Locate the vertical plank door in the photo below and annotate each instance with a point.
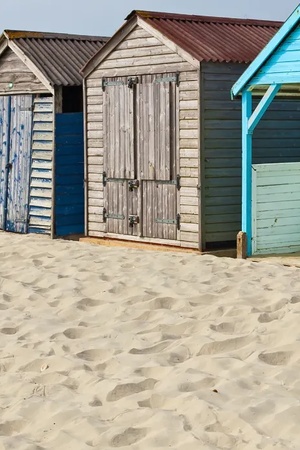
(4, 148)
(157, 124)
(19, 163)
(120, 191)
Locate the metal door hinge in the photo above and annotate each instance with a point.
(131, 81)
(168, 79)
(107, 215)
(133, 220)
(104, 178)
(170, 221)
(106, 83)
(133, 184)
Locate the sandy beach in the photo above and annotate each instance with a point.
(119, 348)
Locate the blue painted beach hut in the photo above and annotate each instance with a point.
(271, 192)
(41, 131)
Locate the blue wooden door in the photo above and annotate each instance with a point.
(15, 165)
(69, 174)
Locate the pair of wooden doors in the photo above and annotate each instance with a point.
(15, 155)
(140, 178)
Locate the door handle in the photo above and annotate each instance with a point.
(8, 166)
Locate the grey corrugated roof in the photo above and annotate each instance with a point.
(58, 56)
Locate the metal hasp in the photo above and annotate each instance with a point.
(133, 184)
(104, 179)
(132, 81)
(133, 220)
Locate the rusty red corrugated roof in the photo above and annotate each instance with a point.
(215, 39)
(58, 56)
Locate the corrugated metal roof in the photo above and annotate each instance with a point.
(58, 56)
(215, 39)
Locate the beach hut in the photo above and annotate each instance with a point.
(163, 138)
(271, 192)
(41, 131)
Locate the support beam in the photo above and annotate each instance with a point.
(263, 106)
(247, 169)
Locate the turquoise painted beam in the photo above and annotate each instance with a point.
(252, 70)
(247, 169)
(262, 107)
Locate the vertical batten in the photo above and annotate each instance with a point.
(247, 169)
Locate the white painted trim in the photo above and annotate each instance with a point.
(3, 47)
(254, 211)
(14, 47)
(168, 43)
(109, 47)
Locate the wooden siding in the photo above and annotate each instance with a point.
(283, 66)
(140, 54)
(276, 208)
(13, 70)
(276, 139)
(40, 206)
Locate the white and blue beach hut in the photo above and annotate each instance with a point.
(271, 192)
(41, 131)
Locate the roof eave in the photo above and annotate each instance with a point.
(281, 34)
(108, 47)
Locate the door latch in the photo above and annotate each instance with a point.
(8, 166)
(133, 184)
(133, 220)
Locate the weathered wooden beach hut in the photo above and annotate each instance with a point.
(41, 131)
(163, 138)
(271, 192)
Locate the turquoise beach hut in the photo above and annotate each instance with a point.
(271, 192)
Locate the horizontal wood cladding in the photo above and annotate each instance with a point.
(276, 212)
(276, 139)
(141, 54)
(16, 77)
(132, 58)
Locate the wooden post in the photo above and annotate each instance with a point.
(241, 245)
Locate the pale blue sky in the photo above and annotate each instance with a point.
(104, 17)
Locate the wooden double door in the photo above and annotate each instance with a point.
(15, 156)
(140, 179)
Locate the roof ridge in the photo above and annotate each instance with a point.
(202, 18)
(22, 34)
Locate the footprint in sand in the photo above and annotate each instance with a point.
(3, 307)
(94, 355)
(12, 427)
(150, 350)
(228, 345)
(9, 330)
(74, 333)
(207, 382)
(129, 437)
(124, 390)
(85, 303)
(96, 402)
(276, 358)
